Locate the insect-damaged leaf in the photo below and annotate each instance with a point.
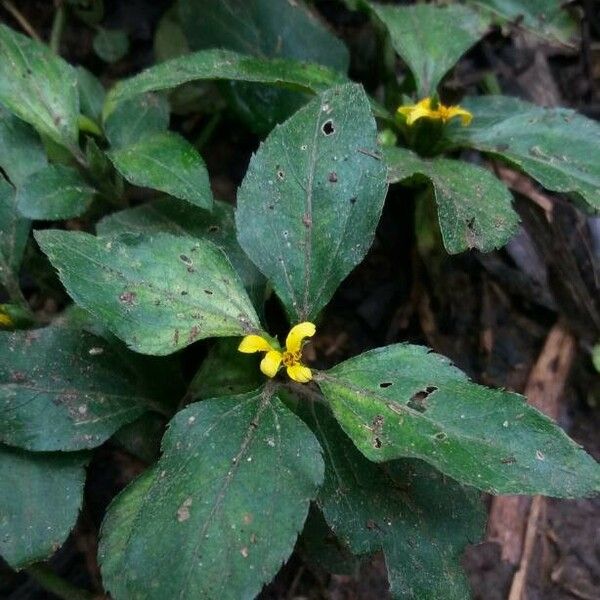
(311, 199)
(420, 519)
(166, 162)
(38, 86)
(40, 498)
(221, 510)
(62, 388)
(158, 293)
(403, 401)
(474, 207)
(556, 146)
(431, 39)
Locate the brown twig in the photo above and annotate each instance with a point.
(21, 20)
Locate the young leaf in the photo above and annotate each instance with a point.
(226, 65)
(14, 231)
(53, 193)
(403, 401)
(555, 146)
(311, 199)
(40, 498)
(91, 94)
(222, 508)
(165, 162)
(431, 39)
(158, 293)
(420, 519)
(170, 215)
(21, 150)
(474, 207)
(38, 86)
(136, 117)
(111, 45)
(64, 389)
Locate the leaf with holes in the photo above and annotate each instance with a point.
(39, 87)
(158, 293)
(311, 199)
(165, 162)
(556, 146)
(474, 207)
(53, 193)
(222, 508)
(431, 39)
(62, 388)
(170, 215)
(404, 401)
(40, 498)
(420, 519)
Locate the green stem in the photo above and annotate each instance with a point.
(58, 25)
(208, 130)
(51, 582)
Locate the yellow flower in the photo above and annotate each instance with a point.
(290, 357)
(423, 109)
(5, 320)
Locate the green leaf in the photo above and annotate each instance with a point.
(555, 146)
(39, 502)
(14, 231)
(180, 218)
(111, 45)
(136, 117)
(221, 510)
(64, 389)
(403, 401)
(169, 37)
(431, 39)
(474, 207)
(420, 519)
(142, 437)
(91, 94)
(545, 18)
(39, 87)
(158, 293)
(166, 162)
(225, 65)
(225, 372)
(53, 193)
(21, 150)
(311, 199)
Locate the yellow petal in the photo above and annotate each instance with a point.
(419, 112)
(465, 116)
(293, 342)
(254, 343)
(299, 373)
(269, 365)
(5, 320)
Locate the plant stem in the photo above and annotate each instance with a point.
(50, 581)
(21, 20)
(208, 130)
(58, 25)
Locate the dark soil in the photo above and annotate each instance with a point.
(490, 314)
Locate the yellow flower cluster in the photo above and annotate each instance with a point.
(291, 357)
(425, 109)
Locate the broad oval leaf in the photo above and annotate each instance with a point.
(53, 193)
(158, 293)
(21, 149)
(64, 389)
(39, 87)
(474, 207)
(556, 146)
(311, 199)
(403, 401)
(430, 38)
(221, 510)
(420, 519)
(40, 498)
(165, 162)
(226, 65)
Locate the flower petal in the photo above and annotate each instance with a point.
(293, 342)
(254, 343)
(465, 116)
(299, 373)
(269, 365)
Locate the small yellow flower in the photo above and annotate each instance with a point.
(423, 109)
(5, 320)
(290, 357)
